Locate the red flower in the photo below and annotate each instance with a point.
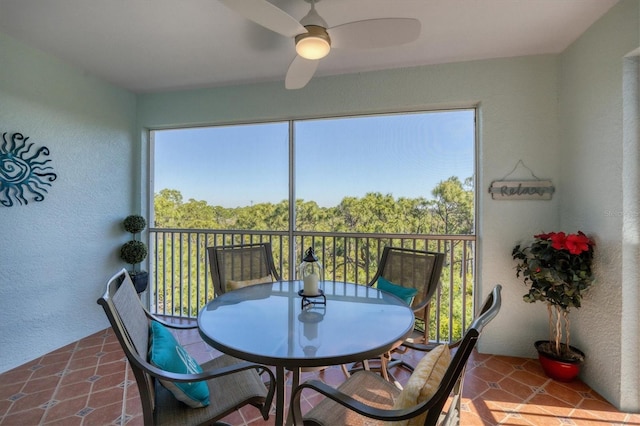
(589, 240)
(558, 240)
(577, 243)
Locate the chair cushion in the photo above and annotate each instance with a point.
(234, 285)
(166, 353)
(405, 293)
(424, 382)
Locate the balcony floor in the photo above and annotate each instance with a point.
(88, 383)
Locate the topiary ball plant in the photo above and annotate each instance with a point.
(134, 224)
(135, 251)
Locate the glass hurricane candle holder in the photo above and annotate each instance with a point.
(310, 272)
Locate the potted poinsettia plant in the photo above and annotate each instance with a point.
(557, 269)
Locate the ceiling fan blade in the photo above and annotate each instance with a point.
(266, 14)
(300, 72)
(375, 33)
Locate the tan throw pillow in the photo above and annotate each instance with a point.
(423, 383)
(234, 285)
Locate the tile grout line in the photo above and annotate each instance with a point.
(64, 372)
(22, 390)
(535, 390)
(123, 413)
(125, 394)
(95, 373)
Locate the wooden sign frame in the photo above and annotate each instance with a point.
(521, 190)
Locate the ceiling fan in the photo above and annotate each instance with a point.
(314, 39)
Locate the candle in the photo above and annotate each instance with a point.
(311, 284)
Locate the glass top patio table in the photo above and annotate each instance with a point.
(267, 324)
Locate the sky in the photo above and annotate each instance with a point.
(405, 155)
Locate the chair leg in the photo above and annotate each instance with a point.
(384, 365)
(357, 366)
(345, 371)
(396, 362)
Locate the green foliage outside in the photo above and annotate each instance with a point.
(347, 238)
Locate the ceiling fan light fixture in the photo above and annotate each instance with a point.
(315, 44)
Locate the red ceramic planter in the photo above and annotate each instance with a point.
(559, 369)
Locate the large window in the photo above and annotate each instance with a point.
(388, 173)
(346, 186)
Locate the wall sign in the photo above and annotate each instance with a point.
(535, 189)
(23, 174)
(521, 189)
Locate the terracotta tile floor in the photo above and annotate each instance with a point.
(89, 383)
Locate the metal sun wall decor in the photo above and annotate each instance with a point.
(21, 172)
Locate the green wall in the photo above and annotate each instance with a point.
(599, 182)
(56, 254)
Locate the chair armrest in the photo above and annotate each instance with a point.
(169, 324)
(173, 325)
(354, 404)
(210, 374)
(197, 377)
(424, 347)
(427, 347)
(421, 305)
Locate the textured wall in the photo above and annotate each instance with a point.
(56, 254)
(598, 193)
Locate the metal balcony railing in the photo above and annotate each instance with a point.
(180, 280)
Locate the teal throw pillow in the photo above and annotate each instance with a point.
(405, 293)
(166, 353)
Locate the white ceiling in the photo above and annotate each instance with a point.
(159, 45)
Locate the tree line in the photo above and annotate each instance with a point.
(448, 212)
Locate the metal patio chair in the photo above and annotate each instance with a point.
(366, 398)
(232, 383)
(239, 265)
(405, 268)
